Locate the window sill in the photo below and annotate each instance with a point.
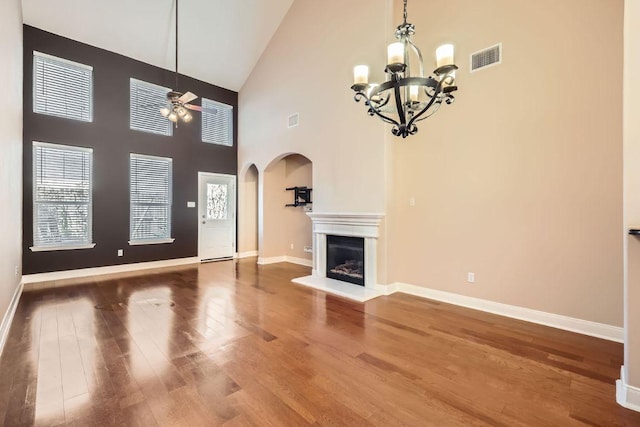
(61, 248)
(150, 242)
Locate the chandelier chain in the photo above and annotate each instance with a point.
(405, 11)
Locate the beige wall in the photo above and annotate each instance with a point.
(308, 69)
(519, 181)
(248, 211)
(632, 189)
(10, 148)
(286, 226)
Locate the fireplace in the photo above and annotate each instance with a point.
(363, 228)
(345, 259)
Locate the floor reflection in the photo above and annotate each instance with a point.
(65, 357)
(149, 321)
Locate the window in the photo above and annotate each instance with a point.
(145, 100)
(217, 122)
(62, 88)
(61, 197)
(216, 201)
(150, 196)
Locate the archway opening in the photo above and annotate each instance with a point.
(286, 228)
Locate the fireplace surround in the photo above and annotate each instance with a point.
(361, 225)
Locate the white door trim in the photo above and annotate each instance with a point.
(235, 208)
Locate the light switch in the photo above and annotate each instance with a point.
(191, 204)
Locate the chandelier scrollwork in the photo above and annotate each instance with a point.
(404, 99)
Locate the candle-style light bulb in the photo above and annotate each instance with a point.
(413, 93)
(444, 55)
(395, 53)
(361, 74)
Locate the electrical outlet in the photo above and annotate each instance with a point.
(471, 277)
(17, 271)
(292, 246)
(412, 201)
(120, 252)
(308, 249)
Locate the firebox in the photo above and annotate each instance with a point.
(345, 259)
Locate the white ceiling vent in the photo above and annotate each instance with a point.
(486, 57)
(294, 119)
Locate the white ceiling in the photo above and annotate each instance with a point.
(220, 41)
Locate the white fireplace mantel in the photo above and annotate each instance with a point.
(364, 225)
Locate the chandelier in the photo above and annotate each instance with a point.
(405, 99)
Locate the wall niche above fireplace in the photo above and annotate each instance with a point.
(345, 259)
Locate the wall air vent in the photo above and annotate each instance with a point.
(486, 57)
(294, 119)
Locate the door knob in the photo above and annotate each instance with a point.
(204, 222)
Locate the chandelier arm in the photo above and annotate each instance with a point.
(437, 91)
(429, 104)
(386, 119)
(381, 103)
(431, 113)
(374, 110)
(399, 105)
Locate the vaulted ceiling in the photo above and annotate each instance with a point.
(220, 41)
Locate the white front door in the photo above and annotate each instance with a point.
(216, 216)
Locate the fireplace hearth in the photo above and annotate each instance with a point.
(345, 259)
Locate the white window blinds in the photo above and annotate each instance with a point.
(217, 122)
(145, 100)
(61, 195)
(62, 88)
(150, 197)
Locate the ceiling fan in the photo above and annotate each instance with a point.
(178, 106)
(178, 103)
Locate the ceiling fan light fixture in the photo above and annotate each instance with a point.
(178, 102)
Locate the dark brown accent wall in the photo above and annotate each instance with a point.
(112, 142)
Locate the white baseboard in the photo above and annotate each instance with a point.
(626, 395)
(299, 261)
(110, 269)
(247, 254)
(388, 289)
(585, 327)
(8, 316)
(285, 258)
(271, 260)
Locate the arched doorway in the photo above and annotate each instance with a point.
(286, 233)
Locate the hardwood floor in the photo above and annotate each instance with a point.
(233, 343)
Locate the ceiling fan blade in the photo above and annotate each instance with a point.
(187, 97)
(201, 109)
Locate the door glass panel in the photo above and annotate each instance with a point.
(216, 201)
